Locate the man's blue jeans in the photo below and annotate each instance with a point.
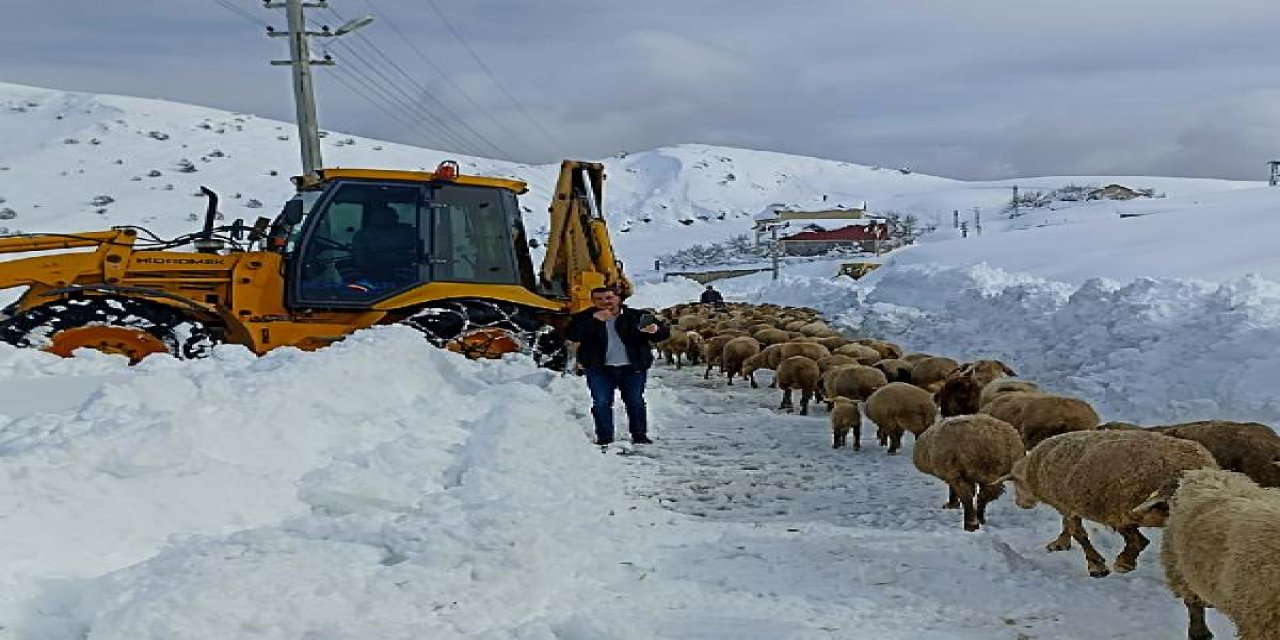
(603, 382)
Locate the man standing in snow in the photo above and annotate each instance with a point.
(614, 348)
(711, 296)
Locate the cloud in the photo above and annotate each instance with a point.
(973, 90)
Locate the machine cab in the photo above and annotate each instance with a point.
(361, 236)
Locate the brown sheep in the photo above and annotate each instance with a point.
(1046, 416)
(845, 417)
(863, 353)
(985, 372)
(1101, 476)
(898, 407)
(1220, 549)
(895, 369)
(1251, 448)
(1009, 406)
(771, 336)
(696, 342)
(887, 350)
(814, 328)
(797, 372)
(929, 373)
(852, 381)
(834, 342)
(914, 357)
(958, 395)
(753, 364)
(674, 348)
(971, 454)
(835, 360)
(735, 352)
(993, 389)
(712, 350)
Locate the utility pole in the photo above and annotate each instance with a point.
(955, 218)
(773, 249)
(1015, 202)
(300, 60)
(977, 220)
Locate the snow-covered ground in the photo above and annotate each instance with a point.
(383, 489)
(380, 488)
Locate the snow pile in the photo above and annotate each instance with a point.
(659, 295)
(380, 485)
(1149, 349)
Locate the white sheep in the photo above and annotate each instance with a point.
(1221, 549)
(1101, 476)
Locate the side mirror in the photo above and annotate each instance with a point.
(259, 230)
(293, 212)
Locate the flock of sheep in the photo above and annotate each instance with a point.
(977, 426)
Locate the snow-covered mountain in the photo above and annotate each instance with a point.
(74, 162)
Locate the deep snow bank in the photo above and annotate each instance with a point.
(377, 488)
(1148, 349)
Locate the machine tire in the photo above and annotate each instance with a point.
(447, 323)
(147, 327)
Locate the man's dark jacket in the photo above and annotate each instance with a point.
(588, 332)
(711, 296)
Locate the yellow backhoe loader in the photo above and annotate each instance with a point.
(444, 253)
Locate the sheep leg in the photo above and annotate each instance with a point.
(678, 356)
(805, 396)
(1197, 629)
(895, 442)
(786, 401)
(837, 437)
(964, 491)
(857, 436)
(752, 378)
(952, 501)
(986, 494)
(1096, 563)
(707, 374)
(731, 377)
(882, 436)
(1063, 541)
(1134, 543)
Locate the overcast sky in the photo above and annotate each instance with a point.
(960, 88)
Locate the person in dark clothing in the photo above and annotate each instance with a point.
(383, 251)
(614, 349)
(711, 296)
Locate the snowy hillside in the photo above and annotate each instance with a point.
(72, 161)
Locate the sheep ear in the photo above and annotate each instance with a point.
(1154, 503)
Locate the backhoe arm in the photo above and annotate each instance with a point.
(580, 253)
(60, 270)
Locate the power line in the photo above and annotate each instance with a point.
(449, 81)
(492, 76)
(426, 122)
(366, 95)
(241, 12)
(424, 92)
(404, 100)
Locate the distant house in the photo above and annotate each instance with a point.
(776, 214)
(871, 235)
(1113, 192)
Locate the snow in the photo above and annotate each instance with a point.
(380, 488)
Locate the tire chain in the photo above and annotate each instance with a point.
(461, 318)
